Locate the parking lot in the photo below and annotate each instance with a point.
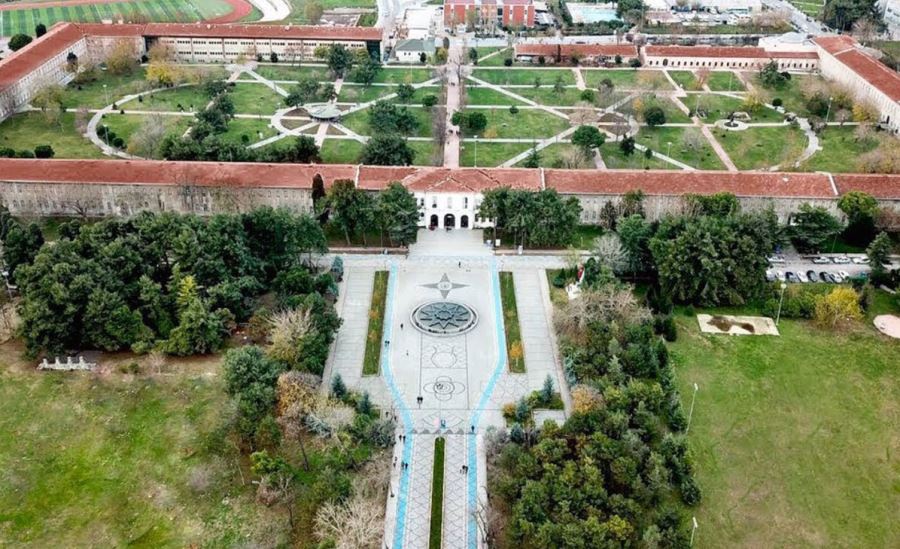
(831, 268)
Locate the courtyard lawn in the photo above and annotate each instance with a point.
(427, 153)
(762, 147)
(16, 21)
(489, 154)
(550, 156)
(117, 459)
(791, 94)
(515, 349)
(494, 60)
(362, 94)
(341, 151)
(685, 79)
(509, 76)
(437, 495)
(126, 125)
(840, 150)
(527, 123)
(719, 107)
(658, 139)
(298, 8)
(546, 95)
(288, 72)
(254, 129)
(372, 359)
(794, 437)
(255, 99)
(92, 95)
(28, 130)
(724, 81)
(402, 75)
(181, 99)
(359, 122)
(629, 79)
(674, 115)
(615, 159)
(476, 95)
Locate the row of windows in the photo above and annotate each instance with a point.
(449, 202)
(727, 64)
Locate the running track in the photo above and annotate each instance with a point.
(239, 8)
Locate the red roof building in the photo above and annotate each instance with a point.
(727, 57)
(505, 13)
(582, 52)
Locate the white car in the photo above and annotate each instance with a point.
(837, 278)
(776, 259)
(780, 276)
(844, 274)
(821, 260)
(802, 277)
(842, 260)
(861, 260)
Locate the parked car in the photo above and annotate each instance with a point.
(863, 260)
(830, 278)
(791, 277)
(823, 276)
(776, 259)
(770, 276)
(838, 279)
(779, 275)
(813, 276)
(844, 274)
(821, 260)
(842, 260)
(802, 277)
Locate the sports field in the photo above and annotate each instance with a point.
(13, 21)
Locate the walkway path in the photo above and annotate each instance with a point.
(716, 146)
(454, 90)
(579, 78)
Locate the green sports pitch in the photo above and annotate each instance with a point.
(24, 20)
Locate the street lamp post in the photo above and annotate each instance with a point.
(691, 412)
(780, 302)
(669, 149)
(476, 151)
(828, 112)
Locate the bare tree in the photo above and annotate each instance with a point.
(147, 141)
(604, 304)
(287, 329)
(865, 30)
(609, 252)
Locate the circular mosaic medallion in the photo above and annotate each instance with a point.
(444, 318)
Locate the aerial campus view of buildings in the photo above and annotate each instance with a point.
(469, 273)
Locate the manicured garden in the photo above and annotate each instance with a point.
(841, 148)
(688, 146)
(524, 77)
(627, 78)
(763, 147)
(793, 436)
(476, 95)
(515, 350)
(28, 130)
(489, 154)
(372, 359)
(527, 123)
(341, 151)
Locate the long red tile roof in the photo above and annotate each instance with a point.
(17, 65)
(567, 50)
(300, 176)
(741, 52)
(806, 185)
(847, 51)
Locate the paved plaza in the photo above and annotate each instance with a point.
(443, 368)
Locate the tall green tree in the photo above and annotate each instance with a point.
(879, 254)
(350, 209)
(21, 246)
(339, 60)
(587, 138)
(812, 228)
(199, 330)
(387, 150)
(860, 209)
(398, 214)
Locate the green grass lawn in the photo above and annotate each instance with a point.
(372, 359)
(359, 122)
(408, 75)
(724, 81)
(341, 151)
(507, 76)
(118, 460)
(719, 107)
(489, 154)
(685, 79)
(24, 20)
(758, 148)
(28, 130)
(437, 495)
(627, 78)
(615, 159)
(363, 94)
(255, 99)
(674, 115)
(126, 125)
(515, 349)
(291, 72)
(658, 139)
(794, 437)
(254, 128)
(496, 60)
(546, 95)
(526, 123)
(840, 149)
(550, 156)
(93, 96)
(185, 98)
(791, 94)
(426, 153)
(486, 96)
(298, 8)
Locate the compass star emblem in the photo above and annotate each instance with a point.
(445, 286)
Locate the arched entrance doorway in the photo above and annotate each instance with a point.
(464, 222)
(433, 222)
(449, 221)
